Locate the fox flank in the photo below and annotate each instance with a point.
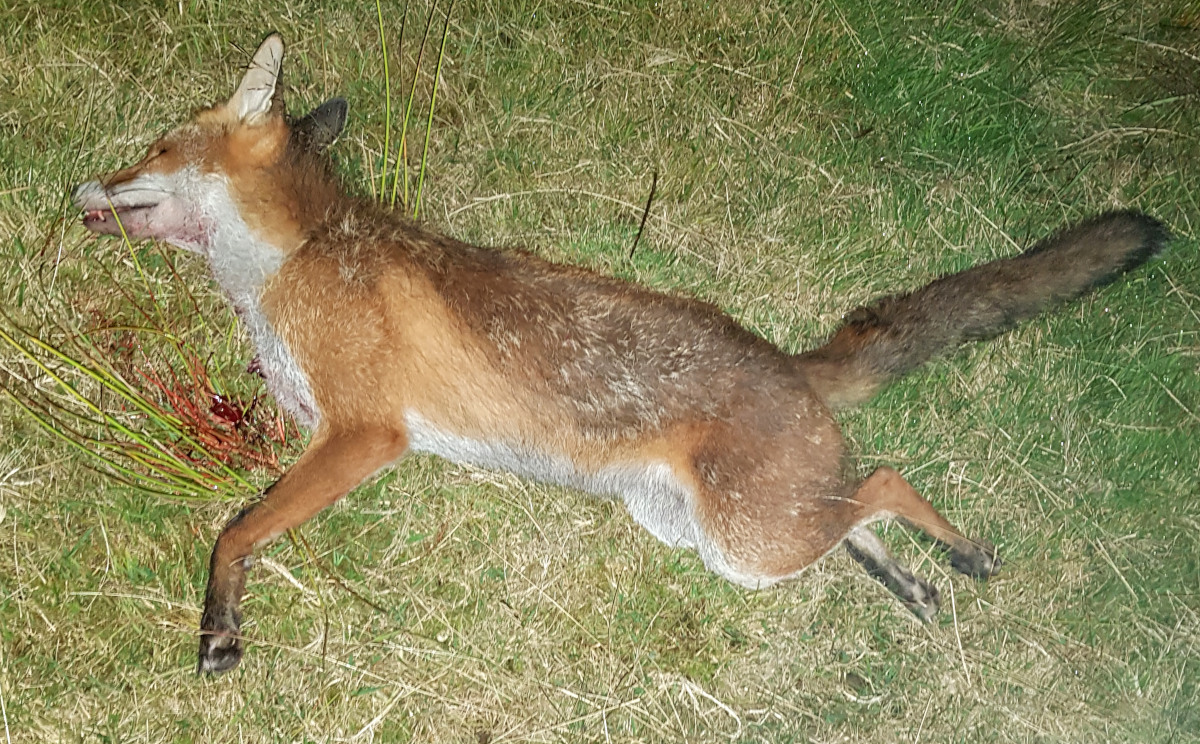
(385, 338)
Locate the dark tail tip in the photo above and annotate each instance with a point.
(1155, 236)
(1146, 237)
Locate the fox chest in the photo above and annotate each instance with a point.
(284, 377)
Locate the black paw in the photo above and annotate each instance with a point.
(922, 598)
(219, 652)
(979, 561)
(220, 641)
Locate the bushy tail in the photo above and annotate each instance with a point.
(899, 333)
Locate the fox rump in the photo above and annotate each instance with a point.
(385, 338)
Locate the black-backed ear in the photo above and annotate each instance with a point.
(321, 127)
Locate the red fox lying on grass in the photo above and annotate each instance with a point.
(384, 338)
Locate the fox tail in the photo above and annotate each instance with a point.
(897, 334)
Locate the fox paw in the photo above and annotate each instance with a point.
(922, 598)
(220, 642)
(979, 562)
(218, 653)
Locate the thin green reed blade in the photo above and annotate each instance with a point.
(402, 150)
(387, 101)
(432, 100)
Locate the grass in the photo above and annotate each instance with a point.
(810, 156)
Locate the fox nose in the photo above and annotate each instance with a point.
(85, 193)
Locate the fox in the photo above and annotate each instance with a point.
(384, 337)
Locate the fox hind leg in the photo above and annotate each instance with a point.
(885, 492)
(916, 593)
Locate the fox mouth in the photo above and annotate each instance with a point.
(110, 219)
(131, 207)
(143, 208)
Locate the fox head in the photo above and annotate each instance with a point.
(239, 182)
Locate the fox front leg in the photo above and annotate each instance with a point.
(335, 463)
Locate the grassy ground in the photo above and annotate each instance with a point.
(810, 155)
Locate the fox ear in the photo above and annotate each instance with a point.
(251, 102)
(321, 126)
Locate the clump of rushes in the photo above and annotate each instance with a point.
(400, 180)
(144, 407)
(141, 404)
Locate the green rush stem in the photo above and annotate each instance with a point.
(404, 126)
(432, 99)
(412, 92)
(121, 390)
(134, 475)
(387, 100)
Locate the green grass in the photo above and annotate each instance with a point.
(810, 156)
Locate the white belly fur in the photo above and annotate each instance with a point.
(653, 495)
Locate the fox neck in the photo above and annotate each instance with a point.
(242, 261)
